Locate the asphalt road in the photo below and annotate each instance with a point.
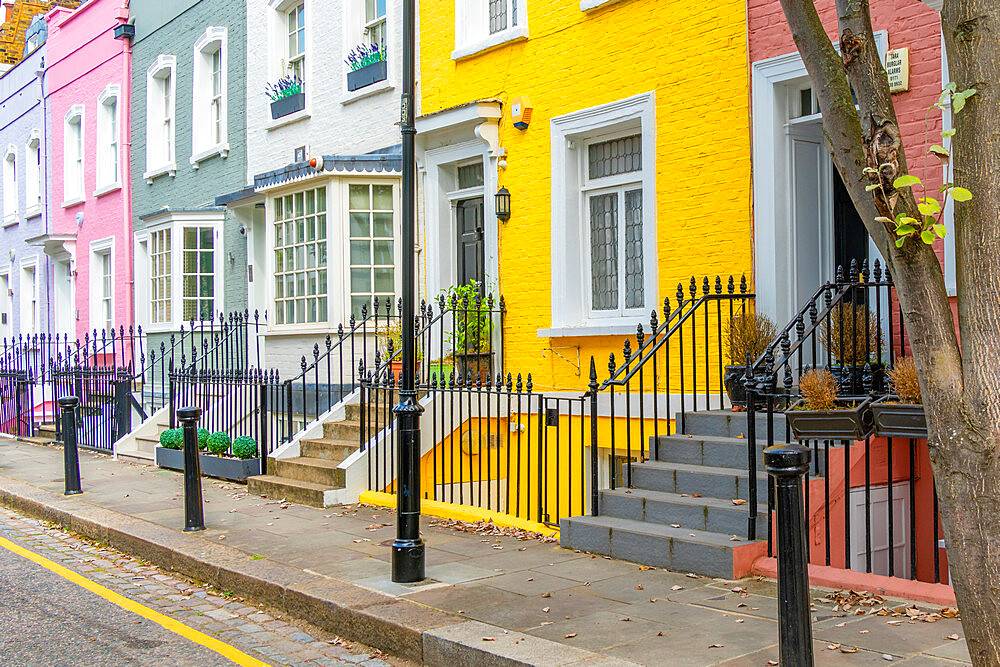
(49, 621)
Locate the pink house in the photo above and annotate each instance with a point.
(89, 232)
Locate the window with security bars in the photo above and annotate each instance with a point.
(613, 190)
(300, 257)
(502, 15)
(159, 276)
(198, 273)
(371, 244)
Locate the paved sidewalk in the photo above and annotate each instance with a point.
(531, 588)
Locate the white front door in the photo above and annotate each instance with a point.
(6, 310)
(880, 548)
(63, 297)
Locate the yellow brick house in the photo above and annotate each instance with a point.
(628, 168)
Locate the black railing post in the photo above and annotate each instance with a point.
(71, 457)
(787, 464)
(594, 487)
(194, 515)
(751, 391)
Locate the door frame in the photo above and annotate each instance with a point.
(772, 224)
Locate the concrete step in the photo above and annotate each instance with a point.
(343, 430)
(727, 424)
(328, 450)
(715, 451)
(307, 469)
(706, 481)
(292, 490)
(710, 514)
(679, 549)
(136, 455)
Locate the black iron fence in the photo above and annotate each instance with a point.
(103, 414)
(16, 402)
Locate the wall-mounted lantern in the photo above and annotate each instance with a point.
(503, 204)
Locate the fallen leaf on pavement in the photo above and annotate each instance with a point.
(489, 639)
(833, 647)
(570, 635)
(676, 588)
(546, 595)
(546, 609)
(847, 649)
(716, 646)
(739, 501)
(953, 637)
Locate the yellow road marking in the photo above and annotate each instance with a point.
(173, 625)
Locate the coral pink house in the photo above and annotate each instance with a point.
(805, 225)
(89, 235)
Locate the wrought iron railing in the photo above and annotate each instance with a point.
(16, 402)
(103, 413)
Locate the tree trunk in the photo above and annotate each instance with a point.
(960, 386)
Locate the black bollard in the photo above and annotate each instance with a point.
(787, 464)
(71, 457)
(194, 514)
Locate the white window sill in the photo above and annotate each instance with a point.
(273, 124)
(105, 189)
(515, 34)
(32, 212)
(219, 149)
(163, 170)
(587, 5)
(11, 220)
(621, 327)
(73, 201)
(299, 330)
(374, 89)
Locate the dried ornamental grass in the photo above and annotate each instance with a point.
(904, 381)
(819, 389)
(851, 333)
(748, 336)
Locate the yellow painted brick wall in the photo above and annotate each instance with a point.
(694, 56)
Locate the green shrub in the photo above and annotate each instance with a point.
(172, 438)
(218, 443)
(203, 434)
(244, 447)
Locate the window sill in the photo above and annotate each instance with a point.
(273, 124)
(73, 201)
(515, 34)
(219, 149)
(105, 189)
(163, 170)
(361, 93)
(32, 212)
(11, 220)
(621, 327)
(587, 5)
(291, 330)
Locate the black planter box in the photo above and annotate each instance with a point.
(733, 381)
(367, 75)
(899, 420)
(474, 365)
(236, 470)
(288, 105)
(846, 424)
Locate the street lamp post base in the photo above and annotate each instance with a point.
(407, 561)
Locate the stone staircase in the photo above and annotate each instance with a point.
(306, 479)
(680, 513)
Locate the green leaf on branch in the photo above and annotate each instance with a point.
(884, 220)
(947, 134)
(927, 237)
(960, 194)
(929, 207)
(905, 230)
(869, 188)
(940, 230)
(946, 186)
(905, 181)
(951, 85)
(929, 221)
(939, 150)
(900, 241)
(957, 102)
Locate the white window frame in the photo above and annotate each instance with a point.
(177, 222)
(570, 134)
(108, 154)
(100, 249)
(204, 102)
(396, 231)
(161, 116)
(11, 210)
(277, 59)
(356, 32)
(472, 28)
(299, 57)
(33, 175)
(333, 199)
(74, 157)
(167, 277)
(29, 308)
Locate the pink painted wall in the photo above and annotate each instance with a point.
(83, 59)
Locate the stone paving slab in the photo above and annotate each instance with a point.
(294, 552)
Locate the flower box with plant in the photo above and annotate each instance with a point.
(901, 415)
(368, 66)
(748, 336)
(472, 333)
(286, 96)
(851, 333)
(234, 460)
(822, 415)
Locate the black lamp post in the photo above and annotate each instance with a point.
(503, 204)
(408, 548)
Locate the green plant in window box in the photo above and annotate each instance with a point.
(471, 337)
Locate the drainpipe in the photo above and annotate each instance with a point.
(50, 310)
(125, 159)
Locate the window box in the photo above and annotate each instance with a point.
(367, 75)
(899, 420)
(288, 105)
(852, 421)
(223, 467)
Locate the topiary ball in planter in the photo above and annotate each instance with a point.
(203, 434)
(218, 443)
(244, 447)
(172, 438)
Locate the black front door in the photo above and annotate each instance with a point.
(850, 235)
(471, 246)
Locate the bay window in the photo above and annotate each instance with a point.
(159, 276)
(371, 227)
(300, 257)
(198, 274)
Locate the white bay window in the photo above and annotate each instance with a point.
(371, 231)
(300, 257)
